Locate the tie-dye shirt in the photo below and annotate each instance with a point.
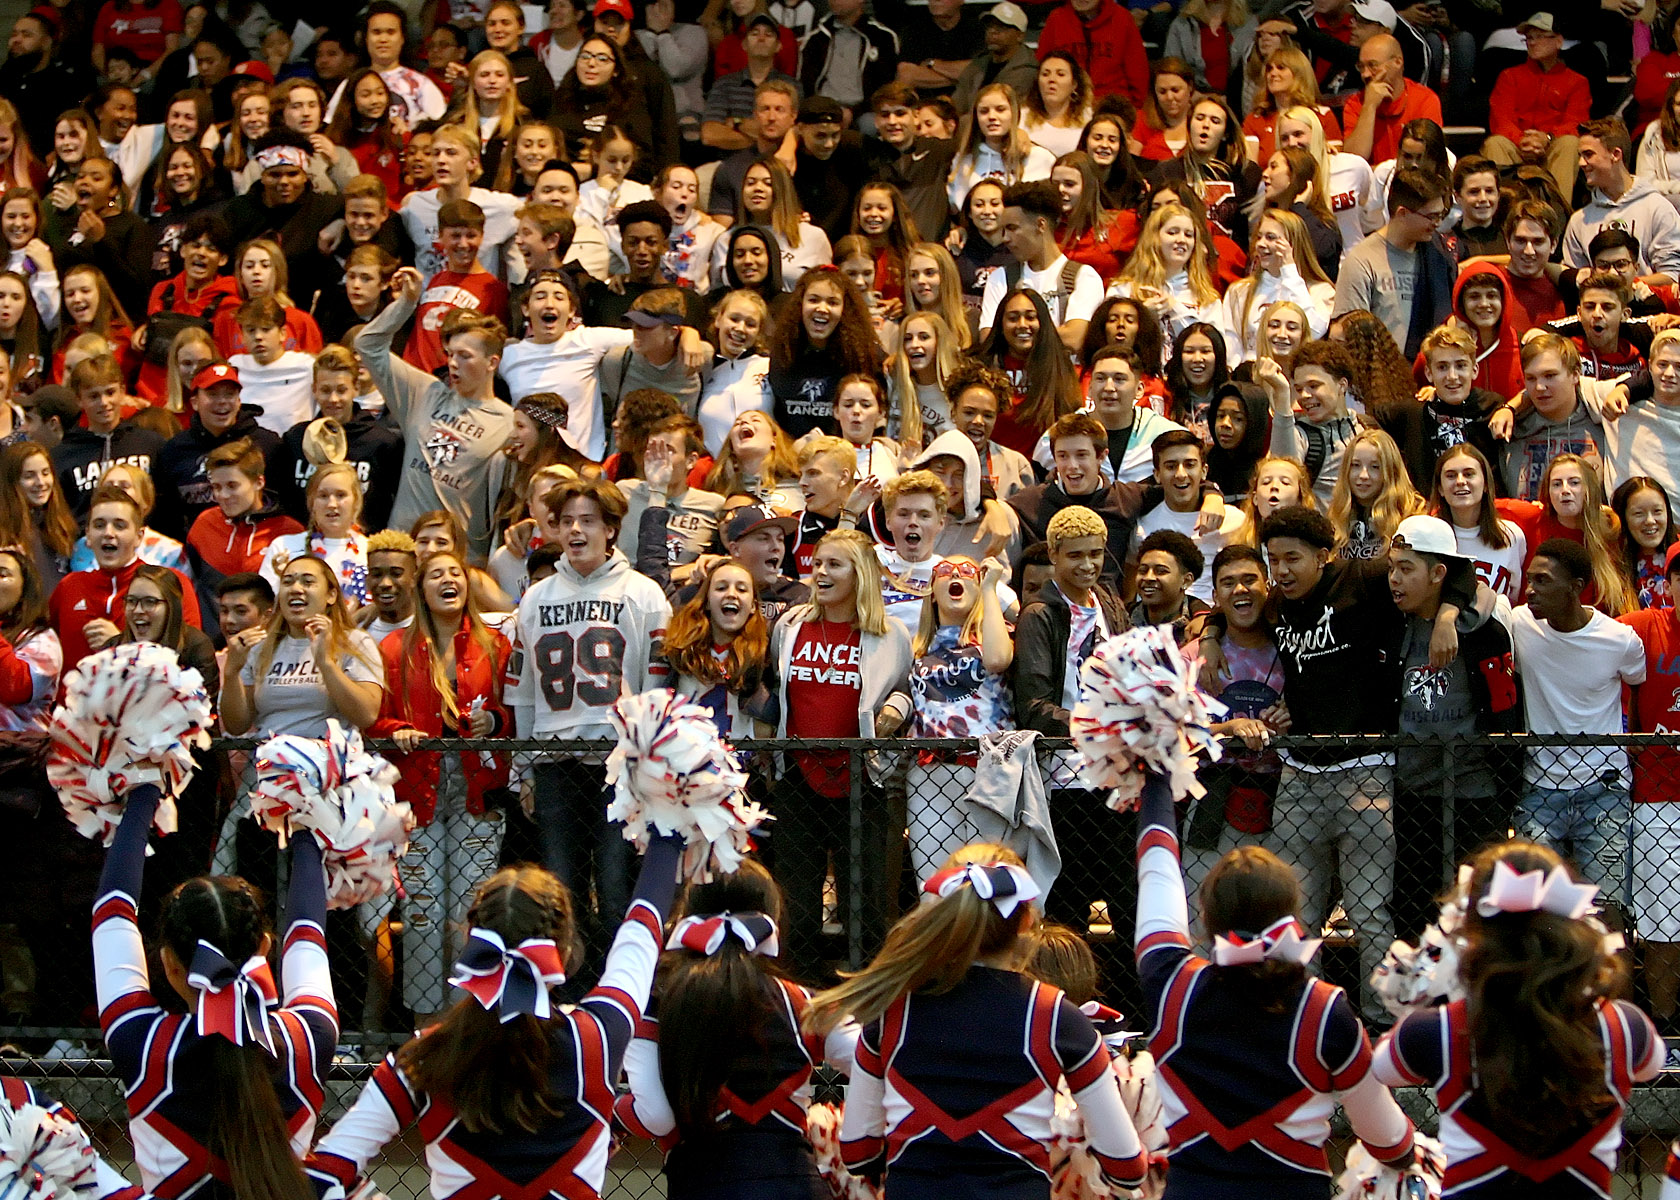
(955, 696)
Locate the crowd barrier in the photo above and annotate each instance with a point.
(1375, 841)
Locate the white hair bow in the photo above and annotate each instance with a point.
(1536, 891)
(1281, 941)
(1004, 884)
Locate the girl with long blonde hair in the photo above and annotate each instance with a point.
(333, 498)
(20, 167)
(959, 686)
(1345, 180)
(758, 458)
(1373, 494)
(1172, 271)
(1281, 266)
(933, 284)
(928, 351)
(1573, 505)
(992, 145)
(443, 679)
(192, 350)
(946, 997)
(490, 105)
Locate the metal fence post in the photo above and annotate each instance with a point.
(858, 761)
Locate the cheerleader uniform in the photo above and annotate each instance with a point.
(953, 1092)
(163, 1058)
(108, 1183)
(568, 1156)
(758, 1150)
(1247, 1094)
(1432, 1049)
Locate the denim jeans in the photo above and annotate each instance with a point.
(586, 851)
(1587, 825)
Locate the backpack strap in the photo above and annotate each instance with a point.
(610, 397)
(1070, 276)
(1318, 448)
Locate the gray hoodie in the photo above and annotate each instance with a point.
(1644, 212)
(1535, 441)
(981, 527)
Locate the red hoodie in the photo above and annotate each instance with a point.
(229, 547)
(1499, 368)
(1108, 46)
(83, 596)
(411, 703)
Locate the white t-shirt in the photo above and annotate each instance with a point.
(379, 628)
(572, 368)
(1572, 683)
(284, 390)
(419, 214)
(1350, 194)
(291, 697)
(1087, 292)
(1230, 530)
(601, 205)
(1501, 570)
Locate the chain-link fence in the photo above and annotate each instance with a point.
(1374, 827)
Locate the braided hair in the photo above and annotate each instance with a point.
(495, 1075)
(247, 1125)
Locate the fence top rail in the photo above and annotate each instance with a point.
(1368, 743)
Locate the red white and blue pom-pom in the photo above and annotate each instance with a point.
(822, 1130)
(1140, 710)
(671, 772)
(1364, 1178)
(1074, 1174)
(1411, 978)
(344, 795)
(132, 714)
(44, 1155)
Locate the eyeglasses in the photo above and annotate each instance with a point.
(1434, 218)
(144, 603)
(961, 568)
(601, 59)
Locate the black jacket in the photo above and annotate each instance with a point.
(297, 227)
(1041, 657)
(880, 64)
(82, 457)
(39, 96)
(375, 446)
(183, 487)
(124, 254)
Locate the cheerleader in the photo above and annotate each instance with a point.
(1533, 1068)
(1252, 1053)
(512, 1093)
(961, 1053)
(721, 1076)
(225, 1097)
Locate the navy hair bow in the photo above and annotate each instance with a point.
(232, 1001)
(706, 933)
(509, 981)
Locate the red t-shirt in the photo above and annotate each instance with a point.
(142, 29)
(301, 332)
(1415, 102)
(824, 683)
(1656, 773)
(479, 291)
(1535, 301)
(1216, 56)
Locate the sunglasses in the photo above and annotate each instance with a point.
(962, 569)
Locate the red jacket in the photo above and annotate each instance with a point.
(83, 596)
(410, 703)
(1556, 101)
(1108, 46)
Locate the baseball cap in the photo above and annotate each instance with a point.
(1668, 560)
(1378, 12)
(618, 8)
(1005, 13)
(649, 320)
(821, 110)
(216, 373)
(255, 69)
(754, 517)
(1540, 22)
(762, 18)
(1427, 535)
